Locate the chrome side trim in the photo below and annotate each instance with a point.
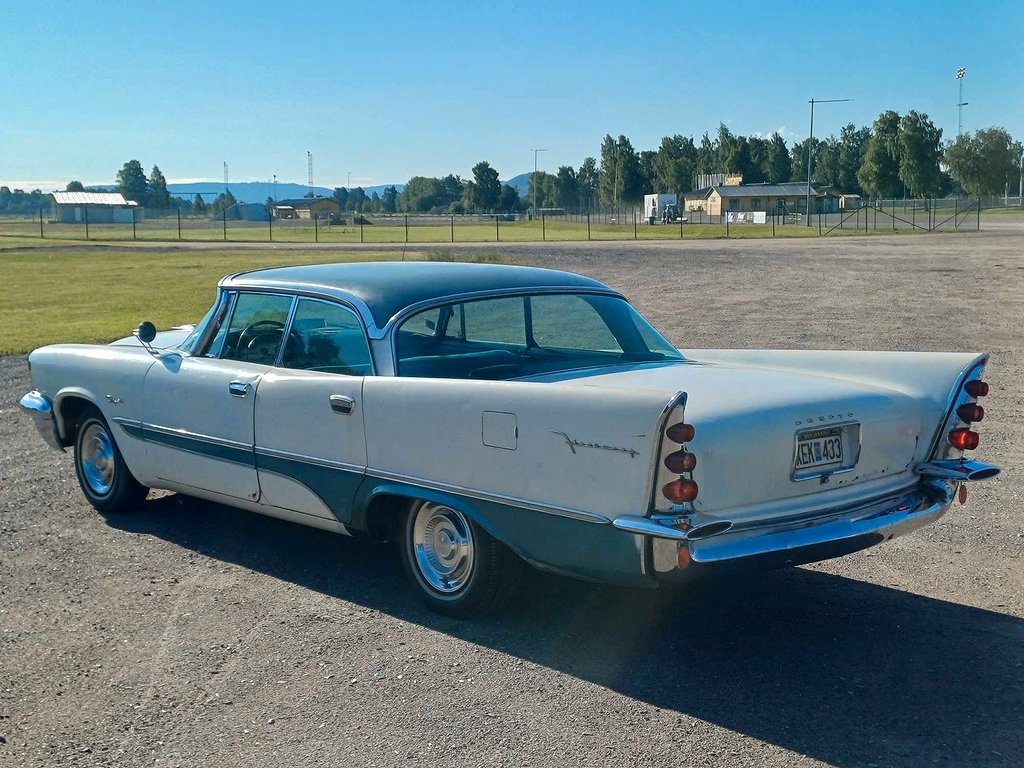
(195, 436)
(38, 407)
(306, 459)
(498, 498)
(952, 469)
(645, 526)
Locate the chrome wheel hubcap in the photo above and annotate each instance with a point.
(442, 545)
(97, 459)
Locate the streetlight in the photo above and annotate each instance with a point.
(810, 144)
(960, 101)
(535, 180)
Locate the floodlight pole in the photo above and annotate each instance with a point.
(960, 102)
(810, 145)
(535, 180)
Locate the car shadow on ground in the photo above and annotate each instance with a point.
(844, 671)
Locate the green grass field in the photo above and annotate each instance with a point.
(96, 294)
(418, 234)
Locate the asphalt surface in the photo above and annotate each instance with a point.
(191, 634)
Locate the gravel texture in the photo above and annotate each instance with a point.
(190, 634)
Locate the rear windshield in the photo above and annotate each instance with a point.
(518, 336)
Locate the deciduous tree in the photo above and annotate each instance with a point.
(920, 153)
(981, 164)
(879, 174)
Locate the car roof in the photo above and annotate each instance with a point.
(381, 291)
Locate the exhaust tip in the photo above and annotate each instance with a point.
(983, 473)
(708, 530)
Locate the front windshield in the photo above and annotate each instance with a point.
(518, 336)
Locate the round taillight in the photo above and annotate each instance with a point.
(977, 388)
(964, 439)
(680, 491)
(680, 462)
(971, 412)
(680, 433)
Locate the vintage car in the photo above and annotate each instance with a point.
(486, 416)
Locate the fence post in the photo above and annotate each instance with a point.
(453, 227)
(224, 220)
(316, 228)
(360, 229)
(875, 218)
(726, 225)
(497, 233)
(979, 214)
(41, 235)
(543, 227)
(133, 225)
(634, 225)
(588, 225)
(773, 226)
(913, 215)
(819, 224)
(270, 224)
(86, 211)
(407, 228)
(179, 223)
(956, 209)
(680, 227)
(894, 214)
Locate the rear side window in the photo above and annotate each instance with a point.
(328, 338)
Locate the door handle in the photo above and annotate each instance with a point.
(238, 388)
(342, 404)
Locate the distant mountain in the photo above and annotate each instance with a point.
(259, 191)
(520, 182)
(255, 191)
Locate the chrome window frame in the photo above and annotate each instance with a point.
(330, 302)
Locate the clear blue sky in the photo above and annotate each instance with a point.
(387, 90)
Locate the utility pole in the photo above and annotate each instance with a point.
(309, 162)
(535, 180)
(960, 101)
(810, 157)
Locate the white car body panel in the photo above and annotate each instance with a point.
(566, 469)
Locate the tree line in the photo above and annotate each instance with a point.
(899, 155)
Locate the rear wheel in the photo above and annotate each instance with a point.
(107, 483)
(455, 566)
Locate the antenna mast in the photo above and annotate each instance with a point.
(309, 160)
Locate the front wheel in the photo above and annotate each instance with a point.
(105, 479)
(455, 566)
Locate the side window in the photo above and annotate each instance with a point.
(256, 329)
(326, 337)
(496, 320)
(570, 322)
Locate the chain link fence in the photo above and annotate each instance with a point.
(553, 224)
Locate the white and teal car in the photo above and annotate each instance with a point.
(488, 416)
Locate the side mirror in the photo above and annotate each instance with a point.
(146, 332)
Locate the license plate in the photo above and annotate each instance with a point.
(820, 448)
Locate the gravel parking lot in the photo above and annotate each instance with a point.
(190, 634)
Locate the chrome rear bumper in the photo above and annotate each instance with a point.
(39, 408)
(673, 556)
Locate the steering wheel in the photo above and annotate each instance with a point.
(260, 340)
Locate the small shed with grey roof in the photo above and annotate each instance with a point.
(94, 207)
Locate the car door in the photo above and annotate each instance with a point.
(198, 423)
(309, 436)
